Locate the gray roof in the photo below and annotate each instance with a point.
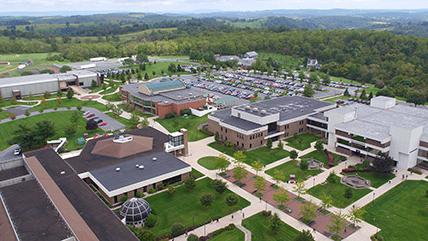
(29, 79)
(177, 96)
(109, 64)
(7, 155)
(129, 174)
(226, 117)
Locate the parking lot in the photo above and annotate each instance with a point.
(111, 124)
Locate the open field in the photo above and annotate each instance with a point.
(286, 62)
(401, 213)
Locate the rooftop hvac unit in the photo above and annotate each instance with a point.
(117, 169)
(154, 159)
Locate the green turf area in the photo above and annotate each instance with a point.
(113, 98)
(336, 191)
(262, 154)
(260, 229)
(61, 120)
(184, 207)
(3, 115)
(196, 174)
(6, 103)
(190, 122)
(212, 162)
(302, 141)
(285, 61)
(322, 157)
(376, 179)
(69, 103)
(122, 120)
(292, 167)
(336, 98)
(229, 235)
(401, 213)
(159, 69)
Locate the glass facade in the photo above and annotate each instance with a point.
(176, 140)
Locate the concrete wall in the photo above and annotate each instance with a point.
(33, 89)
(15, 180)
(11, 164)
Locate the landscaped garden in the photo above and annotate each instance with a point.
(401, 213)
(213, 162)
(376, 178)
(322, 157)
(292, 168)
(113, 97)
(61, 121)
(340, 194)
(261, 229)
(189, 122)
(263, 155)
(190, 207)
(302, 141)
(231, 233)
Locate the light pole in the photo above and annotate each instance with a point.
(313, 182)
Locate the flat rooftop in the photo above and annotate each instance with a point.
(226, 117)
(13, 173)
(29, 79)
(129, 174)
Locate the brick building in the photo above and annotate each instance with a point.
(162, 98)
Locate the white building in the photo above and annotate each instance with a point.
(398, 130)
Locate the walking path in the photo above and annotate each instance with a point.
(246, 232)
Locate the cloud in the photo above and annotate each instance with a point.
(194, 5)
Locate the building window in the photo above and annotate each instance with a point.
(251, 145)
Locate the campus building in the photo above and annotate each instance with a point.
(40, 83)
(250, 126)
(162, 98)
(44, 197)
(381, 128)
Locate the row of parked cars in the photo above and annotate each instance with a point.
(92, 116)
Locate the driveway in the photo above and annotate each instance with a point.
(112, 124)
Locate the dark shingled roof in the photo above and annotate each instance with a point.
(87, 161)
(226, 117)
(12, 173)
(103, 222)
(32, 213)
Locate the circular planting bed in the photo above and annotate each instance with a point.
(355, 182)
(314, 164)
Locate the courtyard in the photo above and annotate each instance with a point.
(189, 122)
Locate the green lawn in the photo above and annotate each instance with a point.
(196, 174)
(292, 167)
(262, 154)
(335, 99)
(122, 120)
(184, 207)
(69, 103)
(158, 68)
(61, 120)
(260, 229)
(302, 141)
(212, 162)
(401, 213)
(336, 191)
(376, 179)
(322, 157)
(113, 98)
(190, 122)
(3, 114)
(229, 235)
(6, 103)
(285, 61)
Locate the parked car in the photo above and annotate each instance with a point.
(98, 120)
(17, 151)
(102, 123)
(89, 116)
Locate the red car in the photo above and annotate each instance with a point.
(102, 124)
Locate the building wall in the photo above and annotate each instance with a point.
(294, 128)
(30, 89)
(163, 109)
(87, 81)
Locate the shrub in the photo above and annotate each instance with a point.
(332, 178)
(219, 186)
(123, 199)
(177, 229)
(293, 154)
(171, 190)
(91, 125)
(160, 186)
(186, 112)
(27, 113)
(152, 190)
(170, 115)
(348, 193)
(70, 93)
(207, 199)
(12, 116)
(304, 164)
(190, 184)
(151, 221)
(269, 143)
(192, 237)
(231, 200)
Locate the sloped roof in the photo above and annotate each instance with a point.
(163, 86)
(109, 148)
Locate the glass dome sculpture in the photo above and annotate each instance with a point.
(135, 211)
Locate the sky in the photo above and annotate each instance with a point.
(199, 5)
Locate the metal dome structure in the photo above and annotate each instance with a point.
(135, 211)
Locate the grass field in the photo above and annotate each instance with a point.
(262, 154)
(159, 69)
(292, 167)
(191, 123)
(336, 191)
(376, 180)
(302, 141)
(69, 103)
(113, 98)
(401, 213)
(260, 229)
(322, 157)
(187, 208)
(229, 235)
(61, 120)
(286, 62)
(212, 162)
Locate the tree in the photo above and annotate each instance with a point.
(293, 154)
(260, 185)
(219, 186)
(300, 188)
(319, 146)
(304, 164)
(231, 200)
(192, 237)
(337, 225)
(346, 93)
(308, 91)
(281, 197)
(308, 211)
(35, 137)
(177, 229)
(151, 221)
(275, 223)
(383, 164)
(91, 125)
(135, 120)
(70, 93)
(327, 201)
(46, 95)
(355, 215)
(370, 96)
(207, 199)
(305, 235)
(278, 176)
(239, 156)
(146, 76)
(222, 165)
(239, 173)
(258, 166)
(348, 193)
(64, 68)
(190, 183)
(269, 143)
(363, 95)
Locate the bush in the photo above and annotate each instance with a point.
(91, 125)
(207, 199)
(304, 164)
(177, 229)
(219, 186)
(151, 221)
(186, 112)
(171, 190)
(190, 183)
(231, 200)
(12, 116)
(27, 113)
(170, 115)
(192, 237)
(151, 191)
(331, 178)
(269, 143)
(348, 193)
